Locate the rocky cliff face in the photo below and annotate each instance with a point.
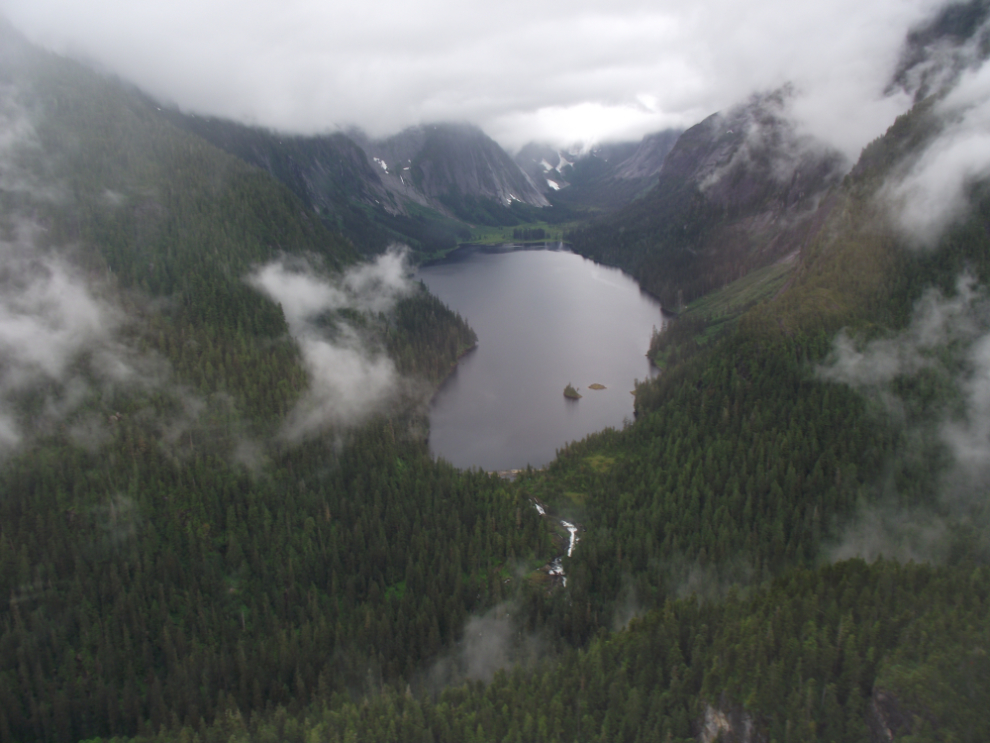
(545, 165)
(649, 156)
(420, 165)
(411, 187)
(727, 724)
(325, 170)
(442, 160)
(885, 718)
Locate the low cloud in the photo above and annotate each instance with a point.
(65, 352)
(770, 144)
(62, 337)
(118, 520)
(491, 641)
(948, 340)
(556, 71)
(58, 340)
(350, 379)
(933, 190)
(21, 154)
(16, 135)
(894, 533)
(936, 322)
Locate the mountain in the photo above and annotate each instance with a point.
(323, 170)
(607, 176)
(456, 167)
(737, 191)
(422, 187)
(544, 165)
(339, 182)
(548, 165)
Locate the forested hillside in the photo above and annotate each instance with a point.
(168, 539)
(713, 590)
(219, 519)
(798, 660)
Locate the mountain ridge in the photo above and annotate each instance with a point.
(445, 160)
(736, 192)
(442, 178)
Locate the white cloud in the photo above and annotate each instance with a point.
(933, 193)
(19, 145)
(520, 70)
(56, 335)
(937, 321)
(348, 379)
(949, 338)
(60, 331)
(303, 296)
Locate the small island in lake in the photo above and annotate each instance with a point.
(596, 386)
(570, 393)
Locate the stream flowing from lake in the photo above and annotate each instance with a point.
(544, 318)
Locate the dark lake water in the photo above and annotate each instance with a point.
(544, 318)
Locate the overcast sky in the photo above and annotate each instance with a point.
(553, 70)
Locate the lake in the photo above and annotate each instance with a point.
(544, 318)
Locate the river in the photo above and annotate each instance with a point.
(544, 318)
